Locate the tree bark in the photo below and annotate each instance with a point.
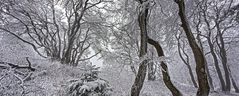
(212, 51)
(216, 64)
(204, 88)
(6, 64)
(186, 62)
(223, 55)
(166, 77)
(140, 77)
(209, 77)
(234, 85)
(206, 64)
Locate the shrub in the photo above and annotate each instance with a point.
(89, 85)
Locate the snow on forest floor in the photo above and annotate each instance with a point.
(50, 79)
(53, 77)
(121, 80)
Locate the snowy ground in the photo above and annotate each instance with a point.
(51, 79)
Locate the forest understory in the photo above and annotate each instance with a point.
(119, 47)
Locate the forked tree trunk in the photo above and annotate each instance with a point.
(166, 77)
(204, 88)
(223, 55)
(206, 64)
(140, 77)
(186, 61)
(212, 51)
(216, 63)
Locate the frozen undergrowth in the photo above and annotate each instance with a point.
(51, 79)
(54, 76)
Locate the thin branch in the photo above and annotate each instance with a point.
(17, 66)
(91, 56)
(33, 46)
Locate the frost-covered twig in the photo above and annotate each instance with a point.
(11, 74)
(5, 64)
(28, 77)
(21, 82)
(3, 76)
(19, 72)
(20, 38)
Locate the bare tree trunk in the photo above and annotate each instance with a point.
(66, 58)
(140, 77)
(139, 80)
(206, 64)
(191, 76)
(222, 54)
(204, 88)
(186, 60)
(216, 64)
(209, 77)
(211, 47)
(234, 85)
(166, 77)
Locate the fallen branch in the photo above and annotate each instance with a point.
(5, 65)
(30, 64)
(28, 77)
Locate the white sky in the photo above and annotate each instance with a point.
(95, 60)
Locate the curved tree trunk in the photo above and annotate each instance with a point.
(222, 53)
(216, 64)
(186, 61)
(206, 65)
(204, 88)
(209, 77)
(210, 81)
(212, 51)
(140, 77)
(166, 77)
(234, 85)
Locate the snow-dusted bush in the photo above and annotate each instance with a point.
(89, 85)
